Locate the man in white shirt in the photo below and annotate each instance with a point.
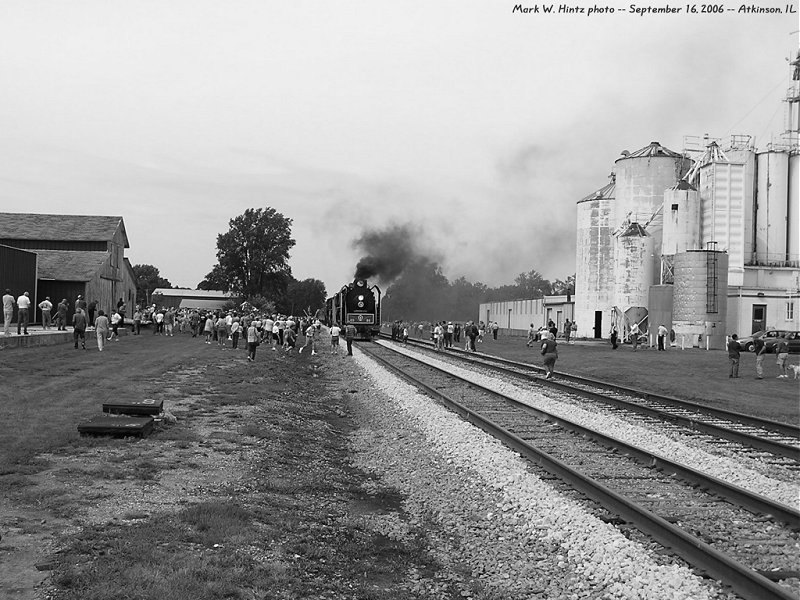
(24, 305)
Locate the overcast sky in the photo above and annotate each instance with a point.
(482, 125)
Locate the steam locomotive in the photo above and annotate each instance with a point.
(358, 304)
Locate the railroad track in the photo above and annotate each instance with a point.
(762, 435)
(735, 536)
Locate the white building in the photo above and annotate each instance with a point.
(516, 316)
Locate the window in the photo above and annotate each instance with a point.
(674, 207)
(790, 311)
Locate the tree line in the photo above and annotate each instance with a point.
(253, 264)
(423, 293)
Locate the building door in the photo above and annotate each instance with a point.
(598, 324)
(759, 317)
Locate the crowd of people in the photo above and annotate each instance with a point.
(246, 329)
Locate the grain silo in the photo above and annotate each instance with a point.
(641, 178)
(633, 267)
(700, 296)
(772, 189)
(742, 151)
(793, 242)
(722, 200)
(681, 219)
(594, 265)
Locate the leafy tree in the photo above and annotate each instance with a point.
(253, 256)
(466, 297)
(215, 280)
(532, 285)
(561, 288)
(147, 279)
(303, 296)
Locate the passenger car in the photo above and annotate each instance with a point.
(770, 337)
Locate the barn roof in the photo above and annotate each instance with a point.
(206, 304)
(73, 228)
(69, 265)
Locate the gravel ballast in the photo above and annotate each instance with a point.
(507, 532)
(670, 446)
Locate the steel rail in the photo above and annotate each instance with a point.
(744, 581)
(786, 429)
(740, 496)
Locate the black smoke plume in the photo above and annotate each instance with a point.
(387, 252)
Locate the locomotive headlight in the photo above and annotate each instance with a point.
(360, 305)
(361, 298)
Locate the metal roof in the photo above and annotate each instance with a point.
(73, 228)
(649, 151)
(204, 304)
(184, 293)
(604, 193)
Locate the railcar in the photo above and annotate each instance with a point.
(357, 304)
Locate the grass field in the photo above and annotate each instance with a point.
(692, 374)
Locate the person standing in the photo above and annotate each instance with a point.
(662, 337)
(614, 337)
(81, 303)
(495, 329)
(782, 350)
(46, 307)
(473, 334)
(79, 328)
(62, 315)
(222, 331)
(208, 328)
(23, 306)
(235, 332)
(335, 331)
(92, 310)
(635, 335)
(760, 348)
(8, 311)
(567, 330)
(169, 322)
(252, 341)
(438, 337)
(733, 355)
(550, 353)
(101, 329)
(137, 320)
(349, 335)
